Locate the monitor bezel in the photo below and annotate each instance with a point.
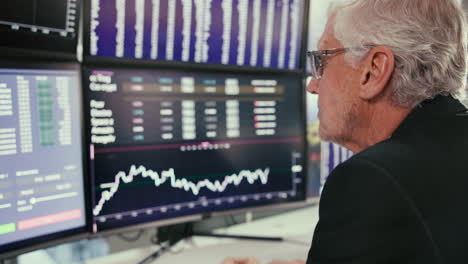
(14, 249)
(199, 216)
(91, 59)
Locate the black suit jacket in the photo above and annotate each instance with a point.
(404, 200)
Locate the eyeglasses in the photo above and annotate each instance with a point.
(316, 59)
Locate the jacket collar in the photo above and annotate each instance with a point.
(438, 107)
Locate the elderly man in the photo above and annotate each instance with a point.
(387, 74)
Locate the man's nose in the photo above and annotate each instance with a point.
(313, 86)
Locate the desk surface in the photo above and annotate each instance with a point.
(296, 227)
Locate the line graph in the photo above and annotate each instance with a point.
(169, 175)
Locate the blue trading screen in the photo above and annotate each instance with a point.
(168, 144)
(41, 174)
(260, 33)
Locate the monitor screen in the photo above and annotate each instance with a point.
(45, 25)
(41, 173)
(258, 33)
(167, 144)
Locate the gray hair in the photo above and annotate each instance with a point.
(427, 37)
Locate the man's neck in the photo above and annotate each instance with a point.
(380, 123)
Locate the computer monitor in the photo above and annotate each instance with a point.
(40, 25)
(167, 144)
(257, 33)
(42, 194)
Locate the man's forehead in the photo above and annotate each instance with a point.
(323, 43)
(327, 39)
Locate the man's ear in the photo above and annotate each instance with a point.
(377, 69)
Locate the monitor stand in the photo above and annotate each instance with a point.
(262, 238)
(175, 233)
(168, 236)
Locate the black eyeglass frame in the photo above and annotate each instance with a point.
(316, 60)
